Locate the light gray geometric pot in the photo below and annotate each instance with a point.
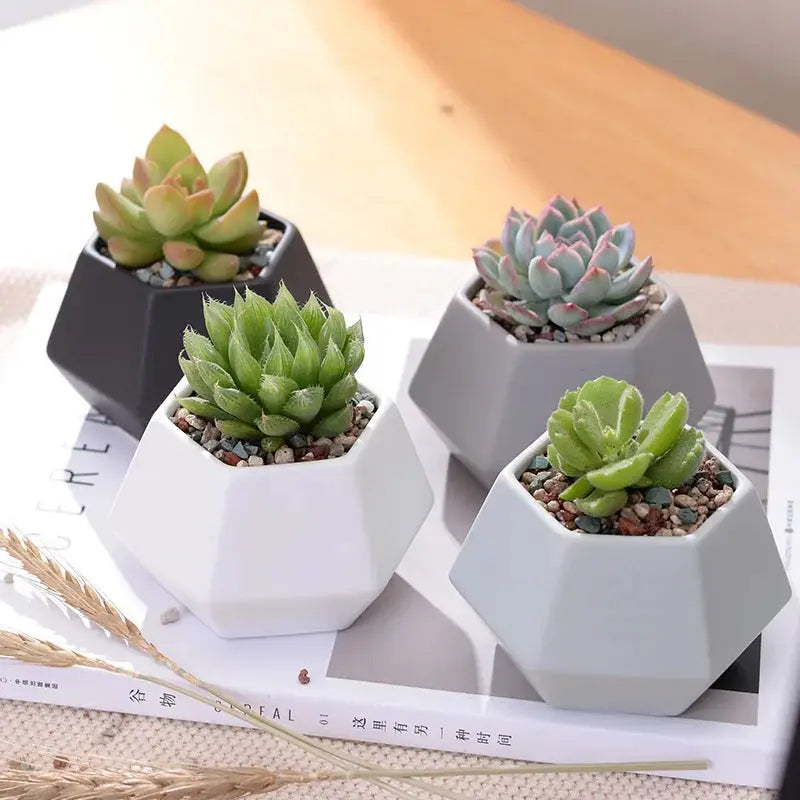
(627, 624)
(486, 392)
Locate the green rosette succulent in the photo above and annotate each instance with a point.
(598, 437)
(569, 267)
(270, 370)
(173, 209)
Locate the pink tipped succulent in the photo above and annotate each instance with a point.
(173, 209)
(568, 266)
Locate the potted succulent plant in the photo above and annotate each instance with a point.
(557, 300)
(623, 563)
(173, 233)
(265, 542)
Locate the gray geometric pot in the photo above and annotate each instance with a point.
(486, 392)
(626, 624)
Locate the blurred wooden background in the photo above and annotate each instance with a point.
(391, 125)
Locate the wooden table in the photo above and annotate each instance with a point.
(394, 125)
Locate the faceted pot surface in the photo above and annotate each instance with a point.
(117, 339)
(276, 549)
(486, 392)
(626, 624)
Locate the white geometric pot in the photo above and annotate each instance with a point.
(259, 551)
(486, 392)
(628, 624)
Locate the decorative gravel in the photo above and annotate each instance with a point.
(300, 447)
(650, 512)
(553, 333)
(163, 276)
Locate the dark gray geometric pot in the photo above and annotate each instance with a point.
(117, 339)
(490, 395)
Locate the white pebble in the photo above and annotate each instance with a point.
(171, 615)
(608, 337)
(678, 532)
(684, 501)
(8, 578)
(570, 507)
(553, 505)
(641, 510)
(284, 455)
(255, 461)
(721, 499)
(366, 406)
(595, 337)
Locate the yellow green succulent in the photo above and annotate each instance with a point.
(172, 209)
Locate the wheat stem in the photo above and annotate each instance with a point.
(79, 595)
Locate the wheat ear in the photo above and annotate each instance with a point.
(63, 584)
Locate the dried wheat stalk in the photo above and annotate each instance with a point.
(217, 783)
(63, 584)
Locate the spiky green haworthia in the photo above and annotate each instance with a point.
(173, 209)
(569, 266)
(269, 370)
(598, 437)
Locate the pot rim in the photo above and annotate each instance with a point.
(742, 485)
(467, 291)
(183, 389)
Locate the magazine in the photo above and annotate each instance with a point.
(418, 668)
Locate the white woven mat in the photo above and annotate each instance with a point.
(38, 733)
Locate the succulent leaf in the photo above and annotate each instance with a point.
(544, 280)
(203, 408)
(591, 288)
(219, 322)
(239, 220)
(226, 179)
(119, 212)
(353, 355)
(305, 369)
(240, 405)
(569, 445)
(167, 210)
(663, 424)
(567, 315)
(275, 391)
(236, 429)
(217, 267)
(579, 488)
(212, 374)
(341, 392)
(620, 474)
(190, 370)
(254, 323)
(569, 264)
(246, 369)
(182, 254)
(334, 423)
(333, 365)
(200, 348)
(133, 252)
(166, 148)
(278, 425)
(681, 462)
(303, 405)
(313, 316)
(279, 358)
(602, 504)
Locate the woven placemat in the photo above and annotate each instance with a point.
(39, 733)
